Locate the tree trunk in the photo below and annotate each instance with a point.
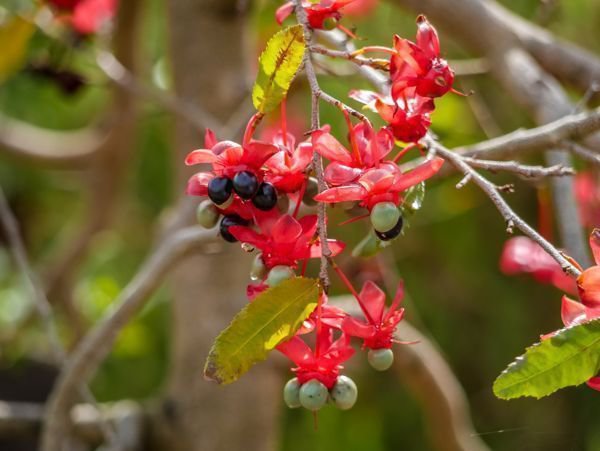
(208, 63)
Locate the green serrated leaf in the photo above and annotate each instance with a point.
(278, 65)
(569, 358)
(14, 38)
(413, 199)
(272, 317)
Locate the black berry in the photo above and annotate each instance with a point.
(245, 184)
(219, 190)
(392, 233)
(227, 222)
(266, 197)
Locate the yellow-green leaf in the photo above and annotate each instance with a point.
(271, 318)
(568, 358)
(14, 38)
(278, 65)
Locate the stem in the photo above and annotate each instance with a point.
(284, 122)
(346, 281)
(316, 93)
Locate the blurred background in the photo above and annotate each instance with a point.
(118, 204)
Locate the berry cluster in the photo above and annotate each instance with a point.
(255, 190)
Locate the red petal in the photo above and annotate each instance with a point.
(247, 235)
(595, 245)
(329, 147)
(210, 139)
(358, 329)
(372, 299)
(340, 174)
(198, 184)
(283, 12)
(571, 312)
(296, 350)
(588, 284)
(594, 383)
(342, 194)
(377, 180)
(286, 230)
(257, 152)
(419, 174)
(309, 225)
(427, 38)
(199, 156)
(335, 247)
(302, 156)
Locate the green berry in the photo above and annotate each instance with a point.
(312, 189)
(207, 214)
(380, 359)
(291, 393)
(278, 274)
(258, 270)
(344, 393)
(313, 395)
(384, 216)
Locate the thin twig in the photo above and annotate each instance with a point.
(511, 218)
(575, 126)
(96, 345)
(520, 169)
(582, 152)
(42, 305)
(375, 63)
(316, 94)
(119, 74)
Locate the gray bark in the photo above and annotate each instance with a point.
(208, 61)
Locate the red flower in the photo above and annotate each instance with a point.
(587, 192)
(588, 283)
(588, 286)
(65, 4)
(378, 330)
(323, 364)
(408, 116)
(382, 184)
(89, 16)
(369, 150)
(317, 13)
(419, 65)
(360, 8)
(287, 168)
(228, 158)
(523, 255)
(285, 240)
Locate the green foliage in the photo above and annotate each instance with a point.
(278, 66)
(272, 317)
(568, 358)
(15, 34)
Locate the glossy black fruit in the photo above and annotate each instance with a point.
(266, 197)
(245, 184)
(219, 190)
(227, 222)
(392, 233)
